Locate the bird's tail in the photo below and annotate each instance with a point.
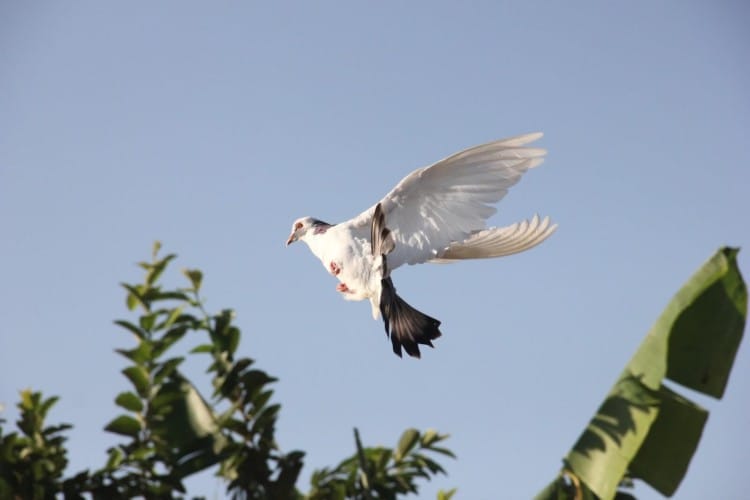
(406, 326)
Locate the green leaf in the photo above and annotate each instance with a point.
(131, 301)
(430, 436)
(695, 340)
(443, 451)
(602, 454)
(129, 401)
(142, 452)
(174, 314)
(29, 399)
(200, 456)
(125, 425)
(364, 470)
(222, 322)
(155, 249)
(115, 458)
(195, 276)
(233, 340)
(135, 330)
(202, 348)
(255, 380)
(162, 403)
(138, 376)
(47, 404)
(148, 321)
(260, 399)
(643, 426)
(431, 465)
(446, 495)
(140, 354)
(135, 296)
(156, 269)
(174, 295)
(230, 381)
(169, 338)
(408, 440)
(566, 487)
(664, 456)
(290, 465)
(167, 368)
(187, 418)
(707, 334)
(381, 462)
(265, 420)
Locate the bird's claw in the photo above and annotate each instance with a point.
(341, 287)
(334, 268)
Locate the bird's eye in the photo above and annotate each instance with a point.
(297, 226)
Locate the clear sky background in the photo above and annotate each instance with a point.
(213, 126)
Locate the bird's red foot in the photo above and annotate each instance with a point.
(334, 268)
(341, 287)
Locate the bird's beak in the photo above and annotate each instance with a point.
(292, 239)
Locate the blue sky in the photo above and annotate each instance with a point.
(213, 127)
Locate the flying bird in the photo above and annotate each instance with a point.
(435, 214)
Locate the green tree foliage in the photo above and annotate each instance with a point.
(643, 429)
(382, 472)
(170, 430)
(32, 461)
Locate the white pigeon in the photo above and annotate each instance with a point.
(435, 214)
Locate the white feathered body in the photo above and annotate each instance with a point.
(350, 248)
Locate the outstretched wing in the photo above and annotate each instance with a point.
(449, 201)
(499, 241)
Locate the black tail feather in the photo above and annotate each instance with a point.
(406, 326)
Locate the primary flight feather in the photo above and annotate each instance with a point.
(435, 214)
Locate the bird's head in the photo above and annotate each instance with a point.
(300, 229)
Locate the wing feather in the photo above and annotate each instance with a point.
(437, 206)
(499, 241)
